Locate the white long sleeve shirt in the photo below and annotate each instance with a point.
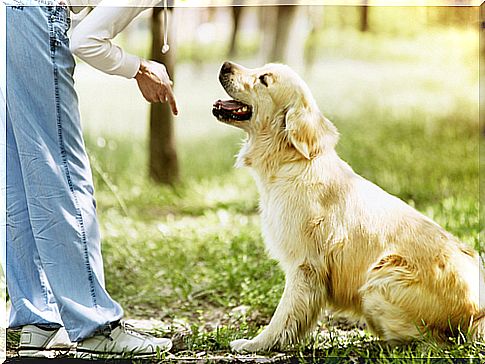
(91, 38)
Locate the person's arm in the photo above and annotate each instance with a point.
(91, 41)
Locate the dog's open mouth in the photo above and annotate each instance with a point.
(231, 110)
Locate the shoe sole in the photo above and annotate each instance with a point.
(86, 354)
(43, 353)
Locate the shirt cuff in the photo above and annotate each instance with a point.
(130, 66)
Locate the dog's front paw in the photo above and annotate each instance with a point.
(243, 346)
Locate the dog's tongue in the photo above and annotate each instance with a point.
(230, 105)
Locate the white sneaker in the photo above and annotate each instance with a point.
(123, 342)
(36, 342)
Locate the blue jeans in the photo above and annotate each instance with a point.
(54, 264)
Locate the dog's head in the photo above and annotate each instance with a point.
(277, 110)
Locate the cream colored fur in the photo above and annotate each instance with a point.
(343, 242)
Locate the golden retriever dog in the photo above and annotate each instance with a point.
(342, 242)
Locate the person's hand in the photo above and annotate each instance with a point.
(155, 84)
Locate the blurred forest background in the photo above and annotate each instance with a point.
(181, 232)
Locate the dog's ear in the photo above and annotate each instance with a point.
(309, 132)
(297, 133)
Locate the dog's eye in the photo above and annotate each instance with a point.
(263, 80)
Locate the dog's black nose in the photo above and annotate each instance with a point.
(226, 68)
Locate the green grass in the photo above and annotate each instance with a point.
(192, 256)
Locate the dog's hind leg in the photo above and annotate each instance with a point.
(387, 319)
(296, 314)
(401, 303)
(390, 301)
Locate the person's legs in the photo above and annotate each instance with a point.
(43, 111)
(32, 300)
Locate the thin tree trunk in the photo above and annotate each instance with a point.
(164, 166)
(316, 17)
(283, 26)
(267, 24)
(364, 17)
(236, 16)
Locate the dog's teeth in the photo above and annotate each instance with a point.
(244, 109)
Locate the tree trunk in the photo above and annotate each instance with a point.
(316, 17)
(236, 16)
(283, 25)
(267, 16)
(364, 17)
(163, 162)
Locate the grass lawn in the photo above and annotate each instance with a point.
(192, 256)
